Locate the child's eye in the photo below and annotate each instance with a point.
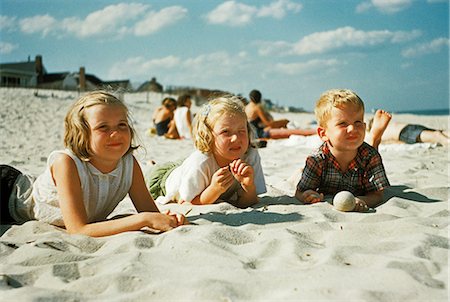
(123, 125)
(359, 124)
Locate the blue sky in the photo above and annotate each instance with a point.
(393, 53)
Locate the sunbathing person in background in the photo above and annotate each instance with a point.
(265, 126)
(163, 116)
(224, 167)
(408, 133)
(182, 119)
(344, 162)
(83, 184)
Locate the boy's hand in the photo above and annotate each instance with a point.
(360, 205)
(243, 172)
(311, 196)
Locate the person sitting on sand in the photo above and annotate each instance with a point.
(82, 184)
(182, 126)
(264, 124)
(408, 133)
(224, 167)
(163, 115)
(344, 162)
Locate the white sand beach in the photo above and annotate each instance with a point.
(277, 250)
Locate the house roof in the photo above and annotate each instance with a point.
(25, 67)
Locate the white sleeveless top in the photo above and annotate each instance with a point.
(180, 117)
(101, 192)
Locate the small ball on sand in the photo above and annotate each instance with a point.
(344, 201)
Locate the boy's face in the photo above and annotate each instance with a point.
(345, 130)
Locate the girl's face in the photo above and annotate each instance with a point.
(110, 133)
(345, 130)
(230, 139)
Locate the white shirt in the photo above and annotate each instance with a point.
(194, 175)
(181, 122)
(101, 192)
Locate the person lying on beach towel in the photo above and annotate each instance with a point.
(409, 133)
(224, 167)
(265, 126)
(344, 162)
(83, 184)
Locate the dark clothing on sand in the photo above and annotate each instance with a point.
(410, 134)
(162, 127)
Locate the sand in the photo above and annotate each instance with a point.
(277, 250)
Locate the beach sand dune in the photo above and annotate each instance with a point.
(276, 250)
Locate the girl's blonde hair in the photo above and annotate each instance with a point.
(335, 98)
(205, 120)
(77, 133)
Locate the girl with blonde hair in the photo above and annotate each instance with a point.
(83, 184)
(224, 167)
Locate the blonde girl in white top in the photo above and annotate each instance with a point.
(224, 167)
(84, 183)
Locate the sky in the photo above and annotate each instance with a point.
(393, 53)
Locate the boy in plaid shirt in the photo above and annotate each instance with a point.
(344, 161)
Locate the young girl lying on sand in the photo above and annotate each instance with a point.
(83, 184)
(225, 166)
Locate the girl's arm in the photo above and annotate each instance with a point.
(70, 196)
(139, 194)
(245, 174)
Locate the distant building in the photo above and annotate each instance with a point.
(152, 86)
(32, 74)
(22, 74)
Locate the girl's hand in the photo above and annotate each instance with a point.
(222, 179)
(159, 221)
(243, 172)
(311, 196)
(181, 219)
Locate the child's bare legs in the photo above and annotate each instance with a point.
(381, 120)
(435, 136)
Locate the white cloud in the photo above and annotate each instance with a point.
(384, 6)
(203, 66)
(233, 13)
(306, 67)
(433, 46)
(322, 42)
(38, 24)
(139, 67)
(7, 23)
(107, 21)
(279, 9)
(111, 21)
(6, 48)
(154, 21)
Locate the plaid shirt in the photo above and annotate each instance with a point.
(365, 172)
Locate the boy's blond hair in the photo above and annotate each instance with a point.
(204, 121)
(335, 98)
(77, 133)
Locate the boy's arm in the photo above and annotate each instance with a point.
(371, 200)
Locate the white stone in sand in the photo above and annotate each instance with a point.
(344, 201)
